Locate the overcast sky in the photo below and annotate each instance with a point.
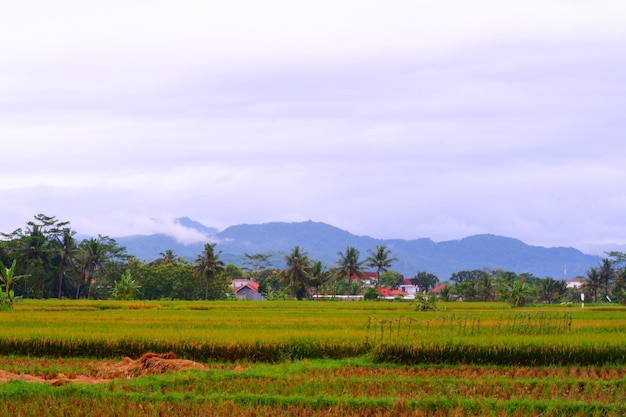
(396, 119)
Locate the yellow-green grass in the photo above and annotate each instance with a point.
(392, 331)
(466, 359)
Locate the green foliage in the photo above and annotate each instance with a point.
(126, 288)
(343, 286)
(425, 302)
(8, 277)
(233, 271)
(381, 260)
(551, 290)
(425, 281)
(348, 265)
(519, 293)
(210, 267)
(371, 294)
(391, 279)
(297, 275)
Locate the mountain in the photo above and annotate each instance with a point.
(322, 242)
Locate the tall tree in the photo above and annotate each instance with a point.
(462, 276)
(66, 249)
(40, 246)
(550, 290)
(297, 275)
(259, 266)
(209, 266)
(486, 287)
(319, 276)
(93, 255)
(425, 281)
(606, 275)
(349, 265)
(168, 257)
(593, 283)
(381, 260)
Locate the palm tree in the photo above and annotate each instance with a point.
(486, 287)
(550, 289)
(593, 282)
(209, 266)
(380, 260)
(348, 265)
(319, 276)
(606, 275)
(92, 257)
(37, 257)
(297, 275)
(168, 257)
(66, 251)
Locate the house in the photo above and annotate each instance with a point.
(368, 280)
(576, 282)
(438, 288)
(239, 282)
(398, 293)
(249, 291)
(408, 287)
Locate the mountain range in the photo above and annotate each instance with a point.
(323, 242)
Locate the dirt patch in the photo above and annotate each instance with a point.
(148, 364)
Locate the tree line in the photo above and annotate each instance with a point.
(46, 260)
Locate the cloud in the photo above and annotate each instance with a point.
(409, 120)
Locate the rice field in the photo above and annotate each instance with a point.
(317, 358)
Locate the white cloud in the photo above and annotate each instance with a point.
(411, 119)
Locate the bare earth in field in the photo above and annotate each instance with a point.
(148, 364)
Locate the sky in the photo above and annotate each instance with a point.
(397, 119)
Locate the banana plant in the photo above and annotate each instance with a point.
(8, 278)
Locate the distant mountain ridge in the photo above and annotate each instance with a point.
(322, 242)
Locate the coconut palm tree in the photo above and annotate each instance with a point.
(606, 275)
(209, 266)
(168, 257)
(593, 283)
(348, 264)
(550, 290)
(319, 276)
(297, 275)
(380, 260)
(92, 257)
(65, 253)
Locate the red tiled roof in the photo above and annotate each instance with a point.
(252, 285)
(438, 288)
(384, 291)
(366, 275)
(387, 291)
